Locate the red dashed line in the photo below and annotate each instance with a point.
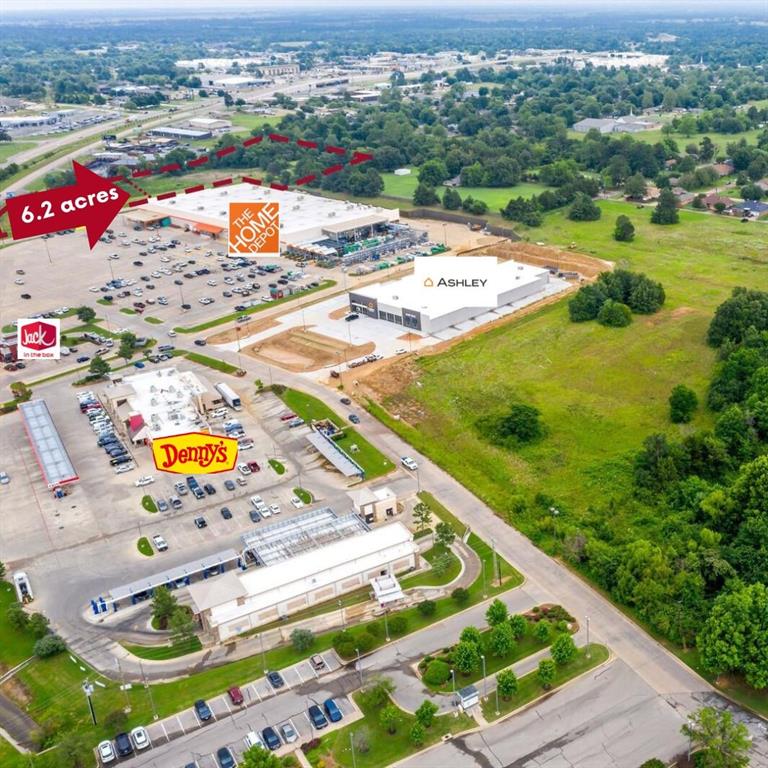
(281, 187)
(222, 182)
(332, 169)
(253, 140)
(134, 203)
(197, 188)
(251, 180)
(305, 179)
(306, 144)
(335, 150)
(279, 138)
(170, 167)
(199, 161)
(141, 173)
(225, 151)
(166, 195)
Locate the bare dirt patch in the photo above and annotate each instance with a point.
(299, 349)
(246, 329)
(337, 314)
(565, 260)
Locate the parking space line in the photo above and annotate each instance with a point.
(181, 725)
(162, 725)
(226, 704)
(296, 668)
(258, 695)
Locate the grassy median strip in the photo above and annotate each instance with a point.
(148, 503)
(145, 547)
(380, 747)
(253, 310)
(530, 687)
(164, 652)
(278, 466)
(154, 320)
(211, 362)
(303, 495)
(373, 462)
(435, 577)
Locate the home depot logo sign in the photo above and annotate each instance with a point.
(39, 339)
(194, 452)
(254, 228)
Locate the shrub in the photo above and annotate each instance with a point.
(115, 720)
(546, 673)
(497, 613)
(682, 404)
(437, 672)
(427, 608)
(426, 712)
(302, 639)
(365, 642)
(466, 657)
(48, 646)
(417, 734)
(375, 628)
(378, 692)
(521, 424)
(398, 625)
(519, 625)
(471, 635)
(542, 632)
(460, 596)
(563, 650)
(614, 314)
(506, 681)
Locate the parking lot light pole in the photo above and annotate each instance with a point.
(263, 657)
(498, 711)
(148, 688)
(589, 655)
(359, 666)
(352, 747)
(386, 625)
(485, 680)
(485, 589)
(88, 691)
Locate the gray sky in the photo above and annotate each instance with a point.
(668, 6)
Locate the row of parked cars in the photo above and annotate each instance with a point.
(106, 437)
(124, 745)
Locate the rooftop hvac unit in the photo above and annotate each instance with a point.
(153, 401)
(224, 192)
(171, 388)
(152, 388)
(171, 202)
(200, 207)
(295, 207)
(331, 214)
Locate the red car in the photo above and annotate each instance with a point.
(253, 466)
(236, 695)
(287, 416)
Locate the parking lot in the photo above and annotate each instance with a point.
(262, 706)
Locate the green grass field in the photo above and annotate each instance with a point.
(495, 197)
(310, 408)
(10, 148)
(163, 652)
(250, 122)
(211, 362)
(145, 547)
(430, 578)
(600, 391)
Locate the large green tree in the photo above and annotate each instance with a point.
(466, 657)
(666, 211)
(723, 742)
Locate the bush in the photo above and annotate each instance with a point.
(302, 639)
(460, 596)
(398, 625)
(682, 404)
(584, 209)
(521, 424)
(48, 646)
(471, 635)
(365, 642)
(519, 625)
(375, 628)
(563, 650)
(427, 608)
(437, 673)
(542, 632)
(624, 231)
(614, 314)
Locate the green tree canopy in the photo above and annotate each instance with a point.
(724, 743)
(666, 209)
(683, 403)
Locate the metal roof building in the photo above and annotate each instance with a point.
(51, 455)
(336, 455)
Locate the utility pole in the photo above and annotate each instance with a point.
(148, 688)
(495, 575)
(359, 666)
(589, 655)
(263, 657)
(386, 625)
(125, 690)
(485, 589)
(352, 747)
(498, 711)
(88, 691)
(485, 680)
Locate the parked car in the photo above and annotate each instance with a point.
(243, 468)
(253, 466)
(288, 732)
(160, 543)
(271, 739)
(226, 513)
(409, 463)
(140, 738)
(144, 480)
(317, 717)
(345, 401)
(123, 745)
(332, 710)
(236, 695)
(200, 522)
(354, 418)
(106, 752)
(252, 739)
(202, 710)
(209, 489)
(317, 662)
(296, 502)
(275, 679)
(224, 758)
(229, 485)
(162, 505)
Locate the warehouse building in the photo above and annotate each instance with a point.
(181, 134)
(161, 402)
(408, 303)
(304, 218)
(301, 561)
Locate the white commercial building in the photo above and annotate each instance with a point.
(305, 560)
(304, 218)
(164, 401)
(210, 124)
(408, 303)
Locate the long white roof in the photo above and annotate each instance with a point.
(267, 586)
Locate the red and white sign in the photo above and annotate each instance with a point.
(39, 339)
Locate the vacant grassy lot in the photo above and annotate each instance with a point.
(600, 391)
(495, 197)
(10, 148)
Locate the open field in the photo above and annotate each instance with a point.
(582, 377)
(254, 121)
(495, 197)
(10, 148)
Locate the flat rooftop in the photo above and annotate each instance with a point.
(165, 398)
(52, 456)
(298, 535)
(409, 292)
(303, 217)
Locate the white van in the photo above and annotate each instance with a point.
(64, 351)
(252, 739)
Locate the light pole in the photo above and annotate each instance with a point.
(589, 655)
(453, 684)
(359, 666)
(485, 680)
(352, 747)
(495, 563)
(148, 688)
(386, 625)
(88, 691)
(341, 611)
(485, 589)
(263, 657)
(498, 711)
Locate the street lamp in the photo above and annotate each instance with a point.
(453, 683)
(498, 711)
(352, 747)
(341, 611)
(485, 590)
(485, 681)
(386, 625)
(589, 655)
(359, 666)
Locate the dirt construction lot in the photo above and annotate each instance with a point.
(299, 349)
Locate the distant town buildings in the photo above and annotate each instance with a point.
(624, 124)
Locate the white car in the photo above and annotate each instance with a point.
(257, 501)
(212, 283)
(4, 479)
(139, 738)
(144, 480)
(409, 463)
(172, 334)
(274, 509)
(106, 752)
(243, 469)
(296, 502)
(401, 351)
(160, 543)
(18, 281)
(94, 289)
(123, 468)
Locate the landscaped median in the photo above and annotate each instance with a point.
(165, 652)
(212, 362)
(309, 408)
(253, 310)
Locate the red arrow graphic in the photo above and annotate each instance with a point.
(92, 202)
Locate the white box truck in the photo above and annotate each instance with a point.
(230, 397)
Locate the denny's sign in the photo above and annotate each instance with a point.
(195, 452)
